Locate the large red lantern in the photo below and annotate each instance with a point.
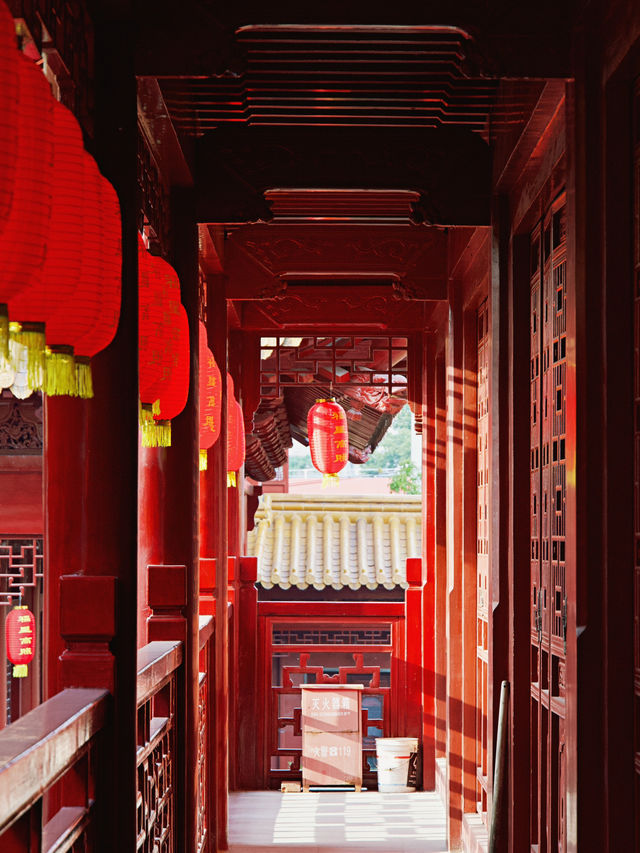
(9, 101)
(56, 284)
(24, 239)
(328, 439)
(236, 446)
(210, 397)
(20, 634)
(88, 320)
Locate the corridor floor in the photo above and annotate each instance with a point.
(336, 822)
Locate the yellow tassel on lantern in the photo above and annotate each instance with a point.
(203, 460)
(20, 670)
(163, 430)
(60, 372)
(31, 336)
(4, 331)
(84, 379)
(330, 481)
(231, 479)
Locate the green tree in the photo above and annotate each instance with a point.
(407, 480)
(395, 447)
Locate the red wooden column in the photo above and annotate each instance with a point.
(214, 545)
(455, 598)
(181, 502)
(429, 676)
(151, 523)
(440, 566)
(413, 649)
(515, 467)
(91, 467)
(247, 673)
(468, 494)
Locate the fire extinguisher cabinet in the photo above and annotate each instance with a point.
(331, 735)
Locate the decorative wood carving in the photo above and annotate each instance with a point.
(21, 425)
(326, 309)
(267, 261)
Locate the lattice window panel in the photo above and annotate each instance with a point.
(332, 636)
(344, 361)
(482, 625)
(548, 370)
(636, 263)
(153, 200)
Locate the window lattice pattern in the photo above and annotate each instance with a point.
(374, 362)
(548, 371)
(21, 568)
(332, 636)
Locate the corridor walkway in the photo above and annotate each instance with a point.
(336, 822)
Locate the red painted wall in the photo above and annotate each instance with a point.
(21, 495)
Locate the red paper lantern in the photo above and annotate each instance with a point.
(150, 328)
(89, 320)
(56, 285)
(23, 241)
(9, 101)
(175, 390)
(210, 397)
(328, 438)
(20, 634)
(236, 446)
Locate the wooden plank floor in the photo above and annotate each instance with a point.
(328, 822)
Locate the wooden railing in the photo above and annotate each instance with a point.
(51, 761)
(205, 737)
(54, 743)
(157, 690)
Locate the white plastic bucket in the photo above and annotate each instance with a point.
(397, 758)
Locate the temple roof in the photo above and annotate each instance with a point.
(337, 541)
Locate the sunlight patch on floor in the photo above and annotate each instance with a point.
(336, 820)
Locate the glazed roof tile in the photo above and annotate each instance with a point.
(337, 541)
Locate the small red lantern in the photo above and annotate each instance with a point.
(328, 439)
(236, 446)
(210, 395)
(20, 633)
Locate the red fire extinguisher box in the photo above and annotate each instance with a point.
(331, 735)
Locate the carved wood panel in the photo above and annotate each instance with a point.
(548, 295)
(482, 625)
(155, 771)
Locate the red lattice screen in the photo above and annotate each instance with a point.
(482, 638)
(548, 294)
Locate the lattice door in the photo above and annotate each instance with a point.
(482, 636)
(548, 295)
(308, 651)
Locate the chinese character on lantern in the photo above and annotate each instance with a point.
(20, 633)
(327, 428)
